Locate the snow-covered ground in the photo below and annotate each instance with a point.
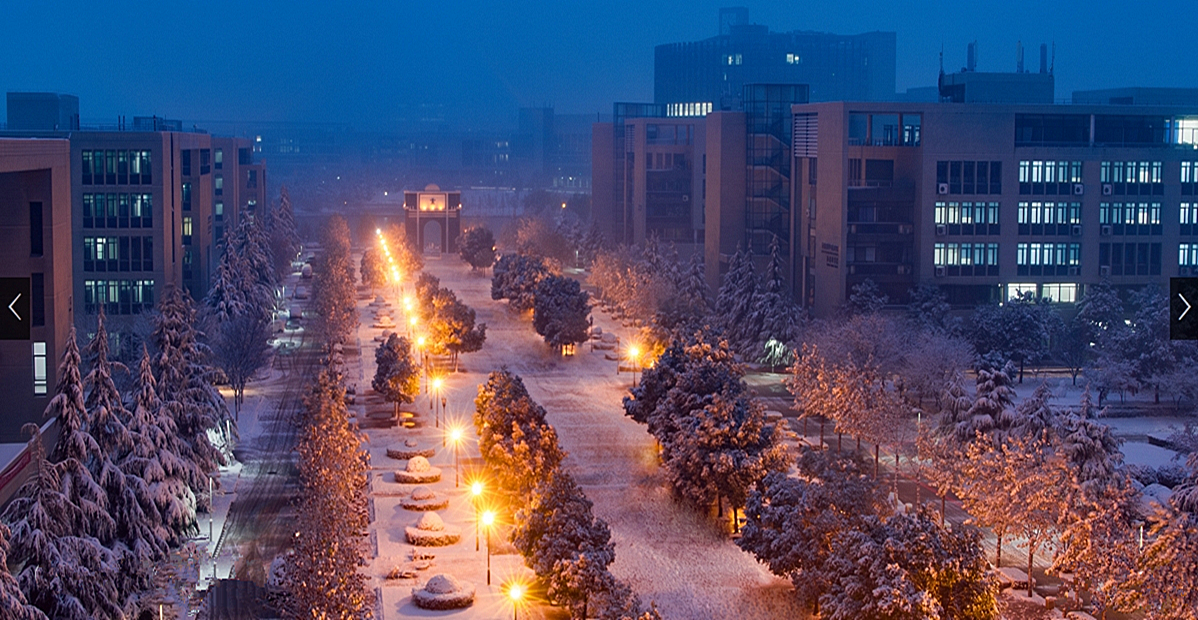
(670, 555)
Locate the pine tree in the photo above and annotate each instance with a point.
(65, 572)
(184, 382)
(561, 311)
(396, 377)
(734, 303)
(284, 242)
(775, 316)
(12, 601)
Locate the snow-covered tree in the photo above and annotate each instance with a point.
(284, 241)
(241, 348)
(564, 543)
(866, 298)
(373, 270)
(519, 447)
(689, 309)
(185, 385)
(774, 310)
(561, 311)
(1019, 330)
(476, 246)
(929, 310)
(64, 571)
(333, 286)
(397, 375)
(515, 278)
(734, 309)
(12, 601)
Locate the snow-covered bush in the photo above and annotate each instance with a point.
(418, 471)
(444, 592)
(409, 449)
(424, 498)
(431, 531)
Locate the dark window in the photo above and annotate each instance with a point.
(220, 159)
(37, 301)
(187, 196)
(185, 162)
(122, 166)
(36, 233)
(86, 167)
(879, 170)
(1052, 129)
(205, 161)
(243, 157)
(1130, 130)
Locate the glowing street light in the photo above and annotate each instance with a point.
(488, 517)
(516, 593)
(476, 492)
(634, 353)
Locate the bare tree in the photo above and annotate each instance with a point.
(241, 349)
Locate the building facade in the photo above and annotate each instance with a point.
(36, 254)
(703, 76)
(989, 201)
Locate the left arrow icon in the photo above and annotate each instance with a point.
(1183, 313)
(14, 312)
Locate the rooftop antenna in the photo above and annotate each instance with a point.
(941, 58)
(1054, 57)
(1019, 57)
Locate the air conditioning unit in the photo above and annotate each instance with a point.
(686, 198)
(905, 229)
(1075, 230)
(940, 271)
(942, 188)
(1105, 231)
(1104, 271)
(852, 269)
(904, 269)
(1078, 189)
(1073, 271)
(852, 229)
(1107, 189)
(941, 230)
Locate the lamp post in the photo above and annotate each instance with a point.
(455, 437)
(516, 593)
(634, 353)
(433, 397)
(476, 491)
(488, 521)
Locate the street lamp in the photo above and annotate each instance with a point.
(488, 521)
(516, 593)
(634, 353)
(455, 437)
(476, 492)
(433, 396)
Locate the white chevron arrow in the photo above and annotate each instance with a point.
(10, 306)
(1187, 310)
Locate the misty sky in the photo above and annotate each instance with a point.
(369, 62)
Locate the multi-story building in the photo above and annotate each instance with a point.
(149, 206)
(703, 76)
(988, 201)
(36, 300)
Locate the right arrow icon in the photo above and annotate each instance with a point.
(1187, 310)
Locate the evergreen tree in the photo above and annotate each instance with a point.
(866, 298)
(734, 303)
(65, 572)
(373, 270)
(284, 241)
(561, 311)
(513, 437)
(12, 601)
(184, 382)
(775, 315)
(476, 246)
(397, 376)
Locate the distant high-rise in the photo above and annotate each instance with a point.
(710, 74)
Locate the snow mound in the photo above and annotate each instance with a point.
(444, 592)
(431, 531)
(431, 522)
(418, 464)
(408, 450)
(424, 498)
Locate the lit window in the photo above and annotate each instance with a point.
(39, 368)
(1014, 290)
(793, 59)
(1188, 255)
(1061, 293)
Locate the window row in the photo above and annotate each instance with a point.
(969, 177)
(1187, 255)
(1062, 292)
(118, 210)
(966, 259)
(1049, 254)
(1130, 218)
(1131, 172)
(118, 296)
(118, 253)
(966, 218)
(116, 167)
(1048, 218)
(1129, 259)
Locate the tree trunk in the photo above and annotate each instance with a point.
(877, 456)
(821, 432)
(998, 553)
(858, 443)
(735, 520)
(942, 503)
(1020, 370)
(1030, 554)
(839, 440)
(719, 502)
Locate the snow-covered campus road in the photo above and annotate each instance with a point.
(667, 552)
